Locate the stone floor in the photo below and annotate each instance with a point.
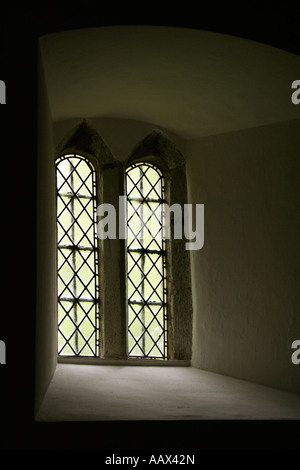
(97, 393)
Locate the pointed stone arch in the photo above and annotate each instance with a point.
(157, 148)
(85, 140)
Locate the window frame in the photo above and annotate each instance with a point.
(76, 248)
(157, 149)
(161, 252)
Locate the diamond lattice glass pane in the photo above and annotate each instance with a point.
(77, 258)
(146, 276)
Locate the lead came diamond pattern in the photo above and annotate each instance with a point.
(77, 258)
(146, 261)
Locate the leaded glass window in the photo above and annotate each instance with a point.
(77, 257)
(146, 263)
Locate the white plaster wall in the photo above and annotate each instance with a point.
(46, 319)
(245, 285)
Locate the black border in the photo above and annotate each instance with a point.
(277, 26)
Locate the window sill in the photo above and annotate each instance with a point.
(113, 393)
(122, 362)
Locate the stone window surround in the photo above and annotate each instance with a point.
(158, 149)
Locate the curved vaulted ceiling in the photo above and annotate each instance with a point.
(189, 81)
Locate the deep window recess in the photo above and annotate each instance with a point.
(146, 263)
(77, 257)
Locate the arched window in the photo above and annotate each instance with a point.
(121, 299)
(146, 263)
(77, 257)
(162, 282)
